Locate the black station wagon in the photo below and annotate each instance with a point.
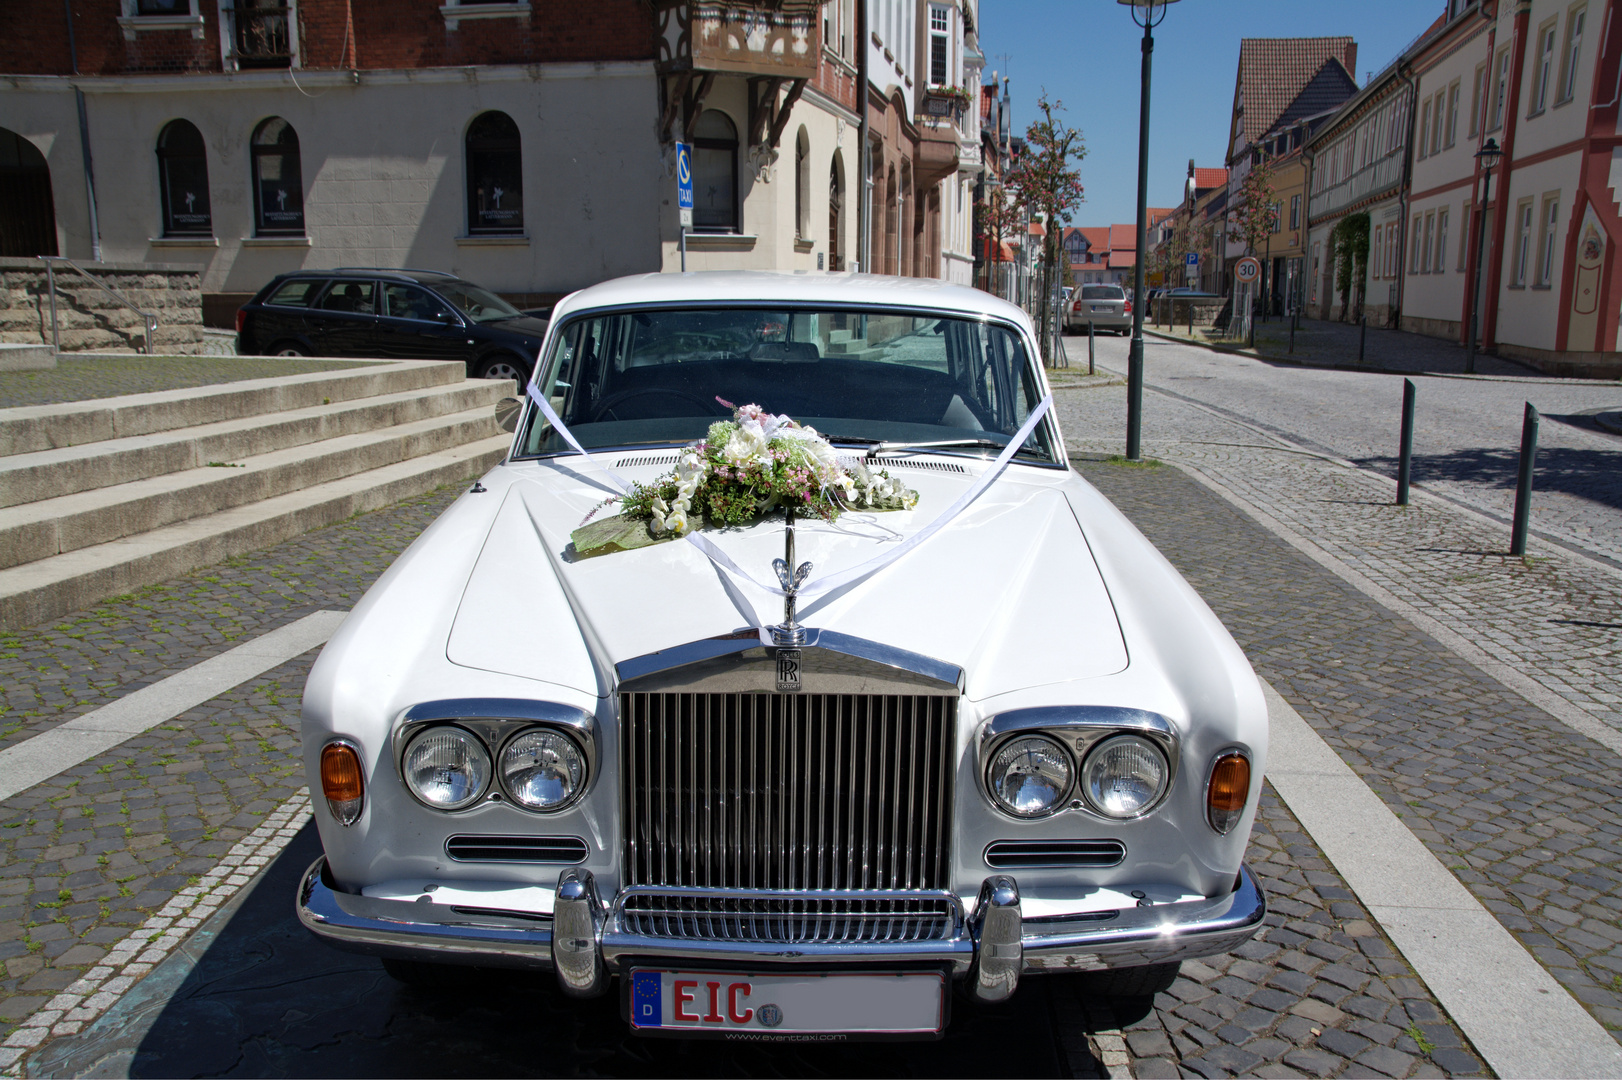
(390, 314)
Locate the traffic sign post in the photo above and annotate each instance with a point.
(684, 194)
(1246, 272)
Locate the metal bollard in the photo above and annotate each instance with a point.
(1405, 451)
(1292, 336)
(1089, 348)
(1362, 336)
(1523, 483)
(1190, 306)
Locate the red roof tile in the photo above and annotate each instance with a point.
(987, 94)
(1097, 237)
(1205, 179)
(1272, 71)
(1035, 229)
(1123, 237)
(1122, 260)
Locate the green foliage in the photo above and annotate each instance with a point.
(1349, 244)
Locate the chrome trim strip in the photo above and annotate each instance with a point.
(1078, 728)
(925, 670)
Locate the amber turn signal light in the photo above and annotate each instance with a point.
(1227, 792)
(342, 782)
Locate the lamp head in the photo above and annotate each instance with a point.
(1489, 154)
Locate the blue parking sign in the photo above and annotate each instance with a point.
(684, 176)
(1191, 259)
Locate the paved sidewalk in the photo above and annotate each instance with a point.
(1335, 344)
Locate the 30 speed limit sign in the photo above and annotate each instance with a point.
(1247, 270)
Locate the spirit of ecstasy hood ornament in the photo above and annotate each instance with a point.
(789, 632)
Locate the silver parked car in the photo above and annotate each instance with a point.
(602, 720)
(1106, 307)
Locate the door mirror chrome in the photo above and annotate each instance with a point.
(508, 410)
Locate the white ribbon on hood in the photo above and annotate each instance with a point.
(850, 576)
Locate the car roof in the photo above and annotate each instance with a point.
(795, 289)
(426, 277)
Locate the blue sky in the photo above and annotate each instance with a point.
(1085, 52)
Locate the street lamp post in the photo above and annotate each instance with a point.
(1488, 155)
(1147, 14)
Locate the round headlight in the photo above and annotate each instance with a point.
(446, 768)
(1124, 776)
(542, 769)
(1030, 776)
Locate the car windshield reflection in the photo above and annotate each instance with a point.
(663, 376)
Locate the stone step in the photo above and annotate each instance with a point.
(40, 530)
(50, 474)
(49, 588)
(42, 427)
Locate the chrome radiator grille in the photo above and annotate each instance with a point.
(787, 792)
(801, 918)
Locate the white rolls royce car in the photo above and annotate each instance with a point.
(784, 679)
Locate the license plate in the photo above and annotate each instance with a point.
(1101, 307)
(771, 1008)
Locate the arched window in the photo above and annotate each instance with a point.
(183, 178)
(27, 211)
(715, 173)
(802, 186)
(278, 180)
(836, 214)
(495, 176)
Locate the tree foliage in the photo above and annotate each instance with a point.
(1046, 182)
(1255, 218)
(1349, 241)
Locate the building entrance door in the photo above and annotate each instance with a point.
(27, 213)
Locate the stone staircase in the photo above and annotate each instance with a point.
(98, 498)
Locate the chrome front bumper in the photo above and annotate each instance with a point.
(583, 944)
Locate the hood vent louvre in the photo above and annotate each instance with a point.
(1026, 854)
(528, 849)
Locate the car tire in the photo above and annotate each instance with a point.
(1132, 982)
(288, 348)
(502, 366)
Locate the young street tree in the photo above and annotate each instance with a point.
(1046, 182)
(1256, 217)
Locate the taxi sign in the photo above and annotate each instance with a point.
(684, 183)
(1247, 270)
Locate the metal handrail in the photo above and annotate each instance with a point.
(148, 318)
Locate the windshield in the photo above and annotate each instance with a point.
(478, 304)
(1102, 292)
(661, 377)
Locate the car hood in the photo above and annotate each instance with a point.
(521, 324)
(1009, 592)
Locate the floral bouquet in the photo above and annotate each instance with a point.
(744, 469)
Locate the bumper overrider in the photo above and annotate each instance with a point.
(585, 940)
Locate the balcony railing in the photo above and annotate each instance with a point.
(263, 36)
(1370, 180)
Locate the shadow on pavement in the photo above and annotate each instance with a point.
(254, 994)
(1588, 474)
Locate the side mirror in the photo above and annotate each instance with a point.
(508, 410)
(446, 317)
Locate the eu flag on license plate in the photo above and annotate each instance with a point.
(646, 1007)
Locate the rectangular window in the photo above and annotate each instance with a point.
(1500, 91)
(1478, 99)
(938, 41)
(1275, 216)
(1430, 236)
(1572, 53)
(1441, 241)
(1452, 113)
(1545, 69)
(1546, 242)
(1413, 244)
(1523, 241)
(1379, 252)
(1425, 129)
(1295, 211)
(1393, 249)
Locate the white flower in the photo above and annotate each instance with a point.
(684, 494)
(677, 522)
(656, 523)
(747, 445)
(691, 467)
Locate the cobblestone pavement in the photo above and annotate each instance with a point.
(1334, 344)
(86, 378)
(88, 855)
(1467, 432)
(1521, 808)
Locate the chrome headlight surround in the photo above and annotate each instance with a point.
(474, 754)
(1079, 728)
(560, 741)
(1087, 781)
(495, 722)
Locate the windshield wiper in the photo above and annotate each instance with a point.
(884, 447)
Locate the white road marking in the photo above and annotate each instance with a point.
(78, 740)
(1522, 1020)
